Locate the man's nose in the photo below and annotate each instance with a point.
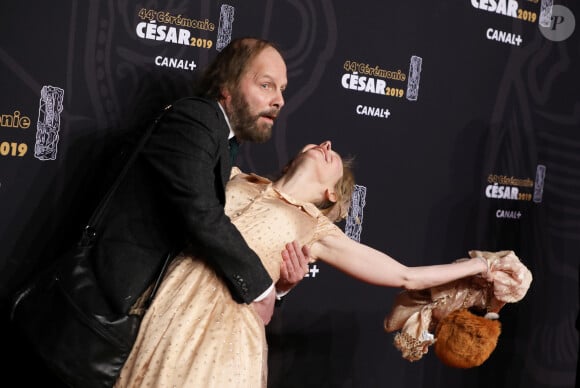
(278, 101)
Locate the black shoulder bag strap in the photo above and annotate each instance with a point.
(90, 230)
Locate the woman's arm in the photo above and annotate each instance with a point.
(372, 266)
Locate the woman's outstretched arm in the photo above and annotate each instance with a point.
(372, 266)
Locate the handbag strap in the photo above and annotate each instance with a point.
(90, 230)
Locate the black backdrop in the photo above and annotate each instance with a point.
(445, 105)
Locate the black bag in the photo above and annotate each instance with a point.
(68, 323)
(68, 320)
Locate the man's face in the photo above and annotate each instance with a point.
(253, 107)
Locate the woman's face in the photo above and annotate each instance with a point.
(326, 163)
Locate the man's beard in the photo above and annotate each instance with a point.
(245, 125)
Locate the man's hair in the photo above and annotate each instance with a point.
(229, 65)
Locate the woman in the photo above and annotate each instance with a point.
(195, 335)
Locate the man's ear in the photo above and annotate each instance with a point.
(225, 93)
(330, 195)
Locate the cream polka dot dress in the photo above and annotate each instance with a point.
(194, 334)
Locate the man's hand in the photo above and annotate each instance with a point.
(265, 307)
(294, 266)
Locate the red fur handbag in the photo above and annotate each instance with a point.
(465, 340)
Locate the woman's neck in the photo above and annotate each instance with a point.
(300, 187)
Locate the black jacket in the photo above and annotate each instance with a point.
(171, 199)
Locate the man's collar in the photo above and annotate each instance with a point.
(227, 120)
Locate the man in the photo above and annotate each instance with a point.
(173, 196)
(172, 199)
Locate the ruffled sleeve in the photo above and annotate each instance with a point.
(511, 278)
